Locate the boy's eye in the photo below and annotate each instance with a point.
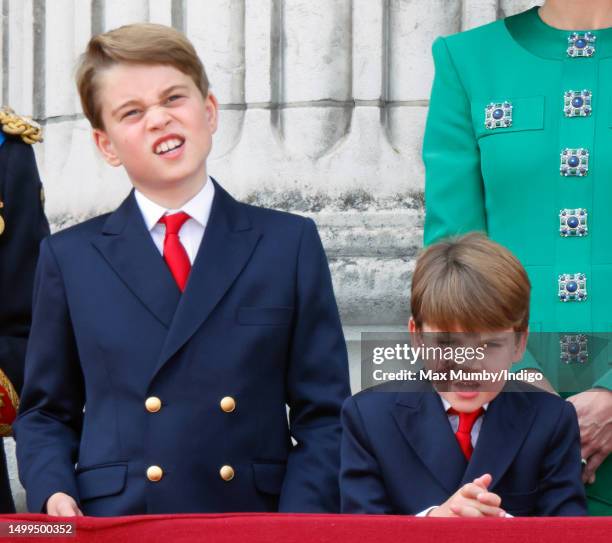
(173, 98)
(130, 113)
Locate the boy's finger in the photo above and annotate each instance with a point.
(466, 511)
(472, 490)
(66, 509)
(484, 480)
(489, 498)
(486, 510)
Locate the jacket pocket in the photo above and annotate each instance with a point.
(269, 477)
(102, 480)
(527, 114)
(267, 316)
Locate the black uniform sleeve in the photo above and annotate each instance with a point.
(25, 225)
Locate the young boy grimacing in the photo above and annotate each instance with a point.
(169, 336)
(464, 447)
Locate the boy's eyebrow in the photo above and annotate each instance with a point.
(164, 93)
(495, 337)
(172, 88)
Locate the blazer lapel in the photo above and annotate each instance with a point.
(424, 424)
(128, 248)
(504, 428)
(229, 241)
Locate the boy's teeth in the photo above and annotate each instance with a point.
(167, 145)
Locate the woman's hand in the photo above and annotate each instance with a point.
(594, 409)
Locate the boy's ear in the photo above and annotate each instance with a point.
(105, 146)
(412, 327)
(212, 112)
(521, 345)
(415, 333)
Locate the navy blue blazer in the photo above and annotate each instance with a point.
(400, 455)
(24, 226)
(257, 322)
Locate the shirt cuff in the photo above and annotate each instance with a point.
(426, 512)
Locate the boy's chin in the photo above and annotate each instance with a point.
(465, 400)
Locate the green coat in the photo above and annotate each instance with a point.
(507, 180)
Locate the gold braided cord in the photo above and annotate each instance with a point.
(16, 125)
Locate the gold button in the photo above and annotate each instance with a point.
(154, 473)
(153, 404)
(228, 404)
(227, 473)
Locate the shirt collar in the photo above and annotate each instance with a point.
(542, 40)
(447, 405)
(198, 208)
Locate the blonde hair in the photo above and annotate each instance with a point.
(470, 282)
(143, 43)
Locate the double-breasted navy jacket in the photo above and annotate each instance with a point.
(400, 456)
(140, 399)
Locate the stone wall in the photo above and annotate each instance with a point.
(323, 107)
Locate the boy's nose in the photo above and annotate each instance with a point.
(157, 118)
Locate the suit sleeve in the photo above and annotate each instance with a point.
(561, 488)
(317, 382)
(454, 193)
(25, 227)
(48, 426)
(362, 489)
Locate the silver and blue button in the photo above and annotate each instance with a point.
(574, 349)
(572, 287)
(573, 222)
(574, 162)
(498, 115)
(581, 44)
(577, 103)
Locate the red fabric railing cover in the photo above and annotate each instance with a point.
(301, 528)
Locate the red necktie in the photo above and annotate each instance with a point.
(174, 252)
(464, 432)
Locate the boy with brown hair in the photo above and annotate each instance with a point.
(458, 442)
(170, 335)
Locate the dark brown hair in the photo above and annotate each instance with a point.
(142, 43)
(472, 283)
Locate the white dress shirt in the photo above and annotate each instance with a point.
(454, 421)
(192, 231)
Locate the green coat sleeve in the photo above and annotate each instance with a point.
(454, 194)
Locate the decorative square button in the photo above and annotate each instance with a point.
(574, 349)
(573, 222)
(577, 103)
(498, 115)
(574, 162)
(572, 287)
(581, 44)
